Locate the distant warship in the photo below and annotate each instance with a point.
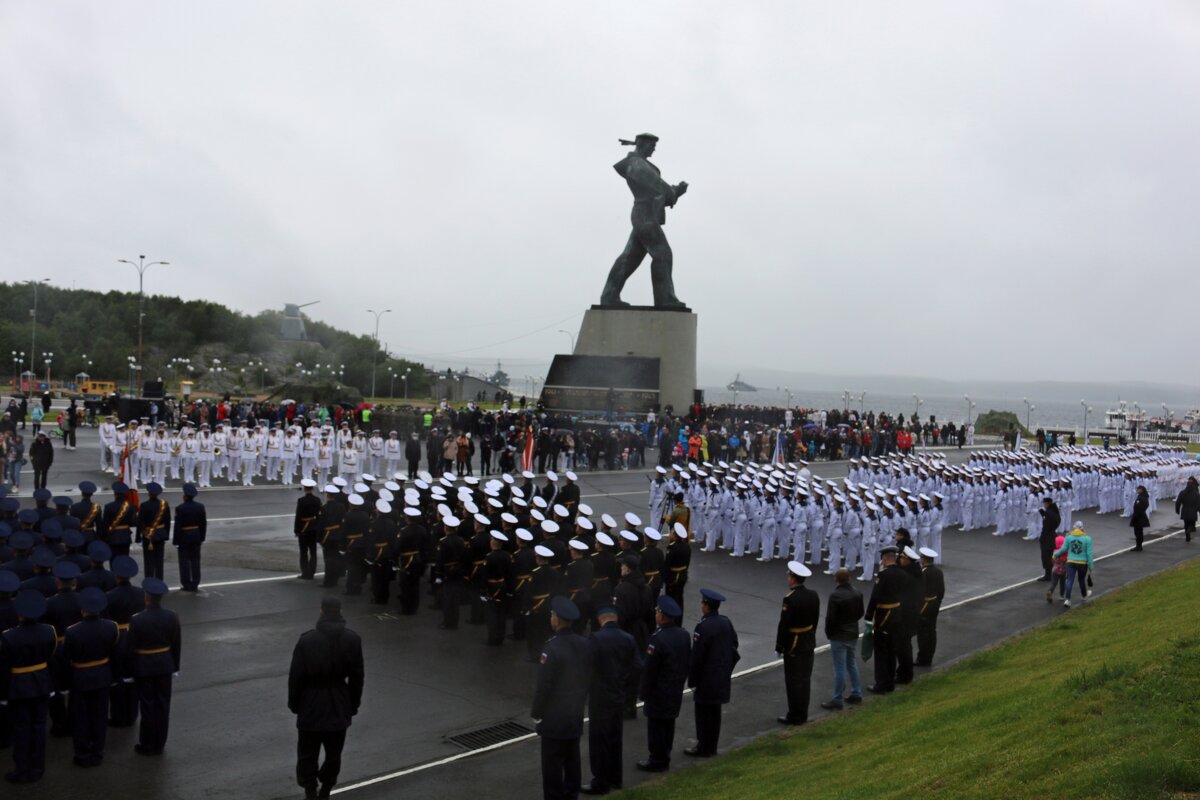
(739, 385)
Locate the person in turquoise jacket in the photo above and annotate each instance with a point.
(1078, 547)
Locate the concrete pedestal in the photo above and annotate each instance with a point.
(646, 332)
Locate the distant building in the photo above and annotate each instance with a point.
(459, 388)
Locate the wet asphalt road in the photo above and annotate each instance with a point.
(232, 736)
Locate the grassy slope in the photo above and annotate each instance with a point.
(1102, 703)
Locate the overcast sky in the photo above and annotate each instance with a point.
(998, 190)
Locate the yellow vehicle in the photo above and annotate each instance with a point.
(94, 390)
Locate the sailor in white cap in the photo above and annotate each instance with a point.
(304, 527)
(870, 540)
(658, 495)
(818, 509)
(910, 612)
(450, 565)
(413, 543)
(742, 507)
(355, 525)
(544, 583)
(795, 641)
(934, 591)
(937, 514)
(577, 581)
(678, 561)
(497, 585)
(706, 515)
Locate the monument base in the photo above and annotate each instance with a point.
(629, 336)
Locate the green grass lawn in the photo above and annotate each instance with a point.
(1102, 703)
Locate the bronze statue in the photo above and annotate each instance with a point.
(651, 196)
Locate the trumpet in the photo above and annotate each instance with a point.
(216, 450)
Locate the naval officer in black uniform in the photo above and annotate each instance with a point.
(795, 640)
(668, 657)
(26, 652)
(154, 641)
(714, 655)
(154, 530)
(191, 528)
(90, 648)
(564, 675)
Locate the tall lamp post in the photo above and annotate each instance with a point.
(862, 405)
(570, 336)
(1086, 411)
(46, 359)
(789, 396)
(917, 403)
(18, 360)
(141, 266)
(1029, 407)
(404, 377)
(375, 349)
(33, 335)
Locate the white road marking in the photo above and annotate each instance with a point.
(741, 674)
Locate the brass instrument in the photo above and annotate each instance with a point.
(216, 450)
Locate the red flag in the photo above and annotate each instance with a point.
(527, 452)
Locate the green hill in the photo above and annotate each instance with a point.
(219, 349)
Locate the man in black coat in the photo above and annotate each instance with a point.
(1187, 506)
(412, 454)
(795, 641)
(1051, 519)
(1139, 520)
(668, 660)
(841, 629)
(714, 655)
(564, 675)
(616, 663)
(41, 456)
(325, 686)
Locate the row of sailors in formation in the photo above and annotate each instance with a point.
(243, 452)
(784, 511)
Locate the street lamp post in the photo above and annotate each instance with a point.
(46, 359)
(846, 400)
(917, 403)
(967, 397)
(862, 405)
(141, 266)
(33, 335)
(571, 336)
(1086, 411)
(404, 378)
(375, 349)
(18, 360)
(1029, 407)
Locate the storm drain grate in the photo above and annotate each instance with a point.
(492, 734)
